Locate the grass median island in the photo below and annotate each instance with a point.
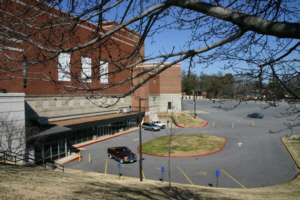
(184, 145)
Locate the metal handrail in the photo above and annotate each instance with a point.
(53, 165)
(26, 158)
(4, 155)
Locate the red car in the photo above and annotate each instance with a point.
(122, 154)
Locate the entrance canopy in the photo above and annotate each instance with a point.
(87, 122)
(82, 123)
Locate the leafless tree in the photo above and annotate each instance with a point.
(170, 132)
(168, 143)
(12, 134)
(257, 38)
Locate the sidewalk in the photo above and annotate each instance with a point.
(75, 155)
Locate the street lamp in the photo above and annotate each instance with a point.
(194, 97)
(140, 135)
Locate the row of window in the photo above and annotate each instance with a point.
(64, 69)
(82, 102)
(58, 145)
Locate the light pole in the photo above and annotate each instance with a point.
(194, 98)
(140, 135)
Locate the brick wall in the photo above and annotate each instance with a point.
(170, 80)
(121, 44)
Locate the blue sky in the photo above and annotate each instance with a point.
(167, 39)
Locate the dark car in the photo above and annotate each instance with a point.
(150, 126)
(256, 115)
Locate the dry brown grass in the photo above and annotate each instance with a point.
(188, 121)
(293, 146)
(19, 182)
(28, 182)
(183, 119)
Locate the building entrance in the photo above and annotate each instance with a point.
(104, 130)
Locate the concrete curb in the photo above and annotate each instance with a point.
(290, 153)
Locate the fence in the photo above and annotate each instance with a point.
(27, 158)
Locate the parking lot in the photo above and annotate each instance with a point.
(253, 157)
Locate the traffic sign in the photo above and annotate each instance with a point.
(162, 173)
(217, 175)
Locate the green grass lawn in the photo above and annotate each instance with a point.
(182, 145)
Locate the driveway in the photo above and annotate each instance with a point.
(253, 157)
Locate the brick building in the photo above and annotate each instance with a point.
(164, 91)
(58, 109)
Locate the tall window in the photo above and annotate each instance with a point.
(103, 72)
(64, 67)
(86, 71)
(169, 105)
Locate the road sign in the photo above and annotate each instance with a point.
(162, 173)
(217, 175)
(119, 166)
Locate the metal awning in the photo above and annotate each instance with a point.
(81, 123)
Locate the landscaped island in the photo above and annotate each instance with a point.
(184, 145)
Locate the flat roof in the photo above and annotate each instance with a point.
(62, 126)
(91, 119)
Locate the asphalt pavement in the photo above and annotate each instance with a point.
(254, 155)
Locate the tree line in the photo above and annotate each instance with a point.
(219, 85)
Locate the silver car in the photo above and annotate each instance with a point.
(160, 124)
(150, 126)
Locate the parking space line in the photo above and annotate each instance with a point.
(106, 166)
(233, 179)
(143, 175)
(185, 176)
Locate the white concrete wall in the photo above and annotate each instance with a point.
(69, 107)
(175, 100)
(12, 115)
(154, 105)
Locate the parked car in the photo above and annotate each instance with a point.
(160, 124)
(150, 126)
(256, 115)
(122, 154)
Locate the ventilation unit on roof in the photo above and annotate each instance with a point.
(126, 110)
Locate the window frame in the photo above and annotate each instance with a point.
(86, 69)
(103, 70)
(64, 67)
